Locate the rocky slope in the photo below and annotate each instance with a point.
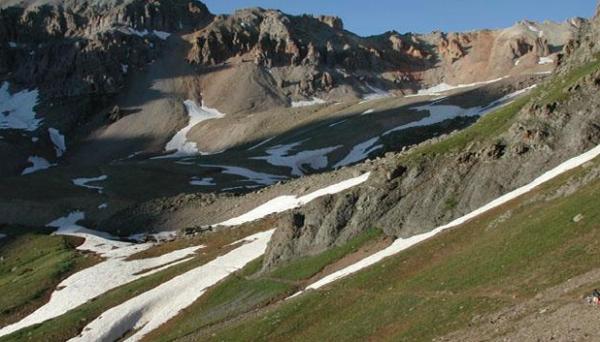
(314, 56)
(411, 194)
(78, 55)
(94, 63)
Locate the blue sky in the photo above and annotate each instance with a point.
(377, 16)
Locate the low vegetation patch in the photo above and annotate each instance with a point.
(32, 264)
(440, 285)
(248, 290)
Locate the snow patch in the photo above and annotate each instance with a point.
(179, 142)
(403, 244)
(251, 176)
(159, 34)
(280, 156)
(58, 140)
(368, 111)
(307, 103)
(124, 68)
(444, 87)
(439, 112)
(208, 181)
(103, 206)
(284, 203)
(360, 152)
(92, 282)
(545, 60)
(83, 182)
(262, 143)
(38, 163)
(338, 123)
(16, 110)
(539, 32)
(148, 311)
(12, 44)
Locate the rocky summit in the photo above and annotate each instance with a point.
(173, 174)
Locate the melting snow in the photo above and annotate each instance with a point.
(159, 34)
(39, 163)
(368, 111)
(179, 142)
(264, 142)
(251, 176)
(91, 282)
(307, 103)
(148, 311)
(360, 152)
(84, 182)
(444, 87)
(58, 140)
(439, 113)
(338, 123)
(545, 60)
(284, 203)
(279, 156)
(402, 244)
(208, 181)
(539, 32)
(16, 110)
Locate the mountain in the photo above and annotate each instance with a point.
(171, 174)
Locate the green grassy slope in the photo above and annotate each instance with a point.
(503, 257)
(31, 266)
(248, 290)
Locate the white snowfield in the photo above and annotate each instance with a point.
(280, 156)
(37, 164)
(148, 311)
(284, 203)
(444, 87)
(91, 282)
(360, 152)
(307, 103)
(58, 140)
(179, 142)
(16, 110)
(83, 182)
(251, 176)
(403, 244)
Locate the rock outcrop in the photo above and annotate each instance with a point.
(407, 196)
